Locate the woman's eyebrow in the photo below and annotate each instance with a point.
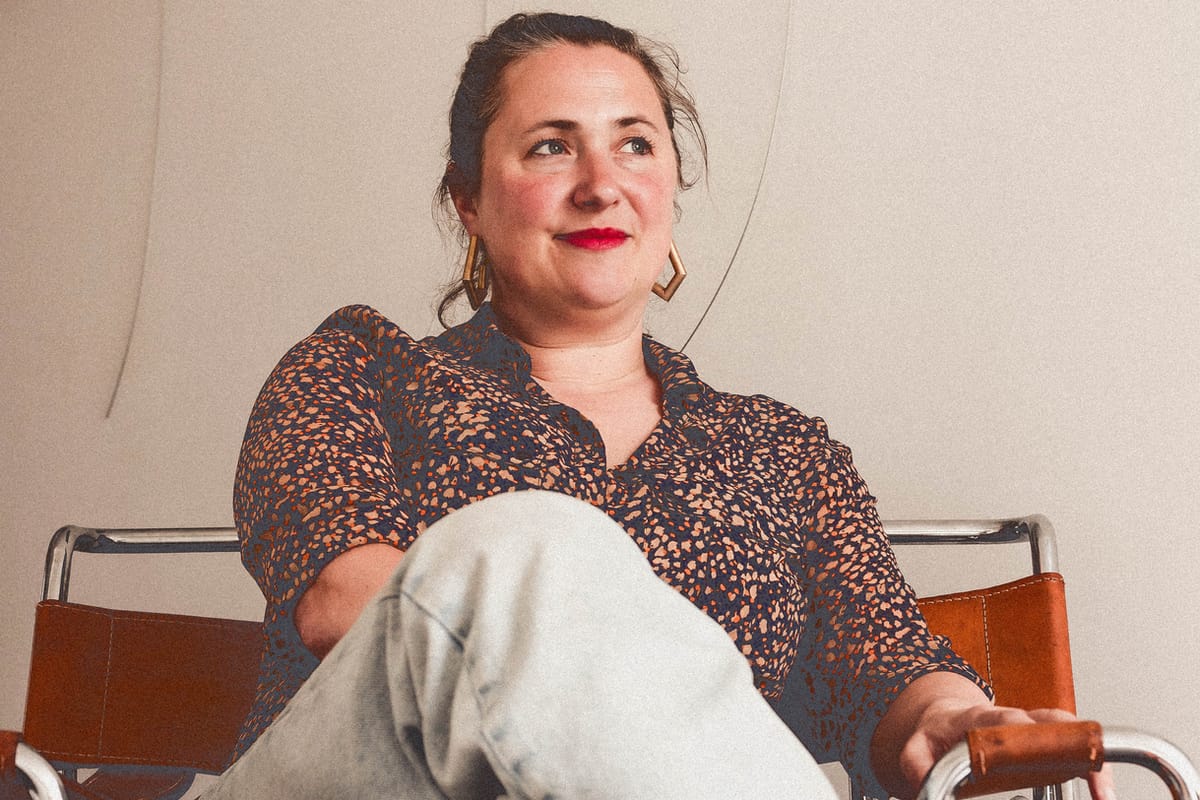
(571, 125)
(627, 122)
(557, 124)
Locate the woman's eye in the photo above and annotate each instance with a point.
(549, 147)
(638, 146)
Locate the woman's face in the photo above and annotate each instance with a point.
(577, 186)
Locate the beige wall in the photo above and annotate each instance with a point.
(967, 236)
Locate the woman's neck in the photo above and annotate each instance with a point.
(601, 372)
(587, 367)
(580, 357)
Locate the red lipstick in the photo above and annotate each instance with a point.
(595, 238)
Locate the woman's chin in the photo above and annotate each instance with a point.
(602, 299)
(583, 297)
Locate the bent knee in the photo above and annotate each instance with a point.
(529, 523)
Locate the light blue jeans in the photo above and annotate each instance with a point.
(525, 649)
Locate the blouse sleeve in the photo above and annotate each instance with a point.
(316, 475)
(864, 639)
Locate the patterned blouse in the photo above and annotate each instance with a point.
(747, 507)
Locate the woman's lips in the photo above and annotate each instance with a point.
(595, 238)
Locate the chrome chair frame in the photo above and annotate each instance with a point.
(56, 584)
(71, 539)
(46, 783)
(1036, 531)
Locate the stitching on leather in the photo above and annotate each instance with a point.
(195, 624)
(983, 598)
(119, 759)
(112, 629)
(1040, 579)
(114, 614)
(68, 608)
(987, 647)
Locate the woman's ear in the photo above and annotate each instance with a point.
(464, 201)
(464, 204)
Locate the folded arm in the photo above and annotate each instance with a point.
(340, 592)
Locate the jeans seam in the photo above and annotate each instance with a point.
(497, 760)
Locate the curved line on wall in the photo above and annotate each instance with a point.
(787, 43)
(137, 303)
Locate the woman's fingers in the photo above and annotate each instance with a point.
(1099, 783)
(1051, 715)
(943, 726)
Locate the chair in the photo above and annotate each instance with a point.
(148, 700)
(1014, 634)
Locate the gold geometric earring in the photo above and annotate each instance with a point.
(668, 291)
(475, 274)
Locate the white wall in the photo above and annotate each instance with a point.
(967, 236)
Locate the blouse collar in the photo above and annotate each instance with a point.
(480, 342)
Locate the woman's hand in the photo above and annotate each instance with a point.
(932, 715)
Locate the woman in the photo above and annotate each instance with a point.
(525, 644)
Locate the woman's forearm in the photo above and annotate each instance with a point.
(340, 592)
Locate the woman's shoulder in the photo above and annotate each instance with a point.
(354, 340)
(778, 418)
(360, 331)
(363, 323)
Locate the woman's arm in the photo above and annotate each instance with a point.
(934, 713)
(865, 640)
(316, 482)
(340, 592)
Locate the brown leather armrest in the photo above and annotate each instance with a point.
(1008, 757)
(12, 785)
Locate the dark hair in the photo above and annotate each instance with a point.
(477, 99)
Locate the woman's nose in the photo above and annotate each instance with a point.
(597, 185)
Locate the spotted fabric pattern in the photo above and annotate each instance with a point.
(743, 504)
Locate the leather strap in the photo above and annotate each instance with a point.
(1007, 757)
(1015, 636)
(139, 688)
